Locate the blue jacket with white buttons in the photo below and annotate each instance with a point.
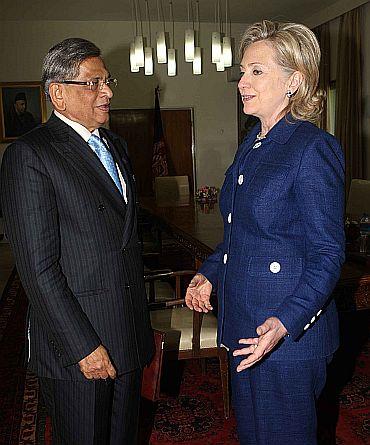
(282, 203)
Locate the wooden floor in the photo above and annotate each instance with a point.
(6, 264)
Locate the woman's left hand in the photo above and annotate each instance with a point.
(270, 333)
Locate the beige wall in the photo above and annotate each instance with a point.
(23, 45)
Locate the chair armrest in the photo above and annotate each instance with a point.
(166, 304)
(168, 274)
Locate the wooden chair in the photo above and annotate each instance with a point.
(188, 334)
(169, 189)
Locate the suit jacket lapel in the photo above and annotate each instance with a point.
(120, 155)
(73, 148)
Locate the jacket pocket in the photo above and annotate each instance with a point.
(271, 279)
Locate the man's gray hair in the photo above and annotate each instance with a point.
(63, 60)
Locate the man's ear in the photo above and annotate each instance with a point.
(57, 93)
(295, 80)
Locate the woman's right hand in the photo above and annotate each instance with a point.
(198, 294)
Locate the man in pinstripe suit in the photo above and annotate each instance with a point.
(71, 220)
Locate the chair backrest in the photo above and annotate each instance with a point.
(359, 198)
(172, 188)
(182, 326)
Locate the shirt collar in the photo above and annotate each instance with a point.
(79, 128)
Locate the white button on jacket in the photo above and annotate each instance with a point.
(240, 179)
(275, 267)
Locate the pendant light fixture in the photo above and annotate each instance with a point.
(189, 36)
(216, 35)
(161, 37)
(220, 65)
(171, 66)
(148, 50)
(226, 41)
(133, 67)
(139, 41)
(197, 62)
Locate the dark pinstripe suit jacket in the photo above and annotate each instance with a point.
(76, 249)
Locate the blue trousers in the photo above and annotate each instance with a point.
(275, 402)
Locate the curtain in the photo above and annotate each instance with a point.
(348, 127)
(323, 36)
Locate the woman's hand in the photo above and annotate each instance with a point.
(270, 333)
(198, 294)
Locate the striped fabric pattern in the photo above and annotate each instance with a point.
(77, 251)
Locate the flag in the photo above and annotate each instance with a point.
(159, 162)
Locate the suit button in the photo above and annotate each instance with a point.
(101, 207)
(225, 258)
(306, 327)
(313, 319)
(275, 267)
(258, 144)
(240, 179)
(319, 312)
(229, 218)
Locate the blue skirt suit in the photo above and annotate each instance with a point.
(282, 204)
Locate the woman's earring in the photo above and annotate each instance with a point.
(289, 94)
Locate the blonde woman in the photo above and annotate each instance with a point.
(283, 245)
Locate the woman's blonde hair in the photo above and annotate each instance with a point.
(296, 49)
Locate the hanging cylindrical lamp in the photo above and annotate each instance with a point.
(220, 65)
(139, 51)
(161, 38)
(189, 38)
(148, 50)
(216, 36)
(133, 67)
(148, 65)
(226, 41)
(171, 66)
(197, 62)
(139, 42)
(227, 52)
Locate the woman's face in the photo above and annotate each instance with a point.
(263, 84)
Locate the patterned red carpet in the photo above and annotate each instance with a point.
(193, 415)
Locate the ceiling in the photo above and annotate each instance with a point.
(241, 11)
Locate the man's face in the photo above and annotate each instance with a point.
(20, 106)
(87, 107)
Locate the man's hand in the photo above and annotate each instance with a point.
(97, 365)
(270, 333)
(198, 294)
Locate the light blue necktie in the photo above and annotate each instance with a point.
(106, 158)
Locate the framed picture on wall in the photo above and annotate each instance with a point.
(22, 107)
